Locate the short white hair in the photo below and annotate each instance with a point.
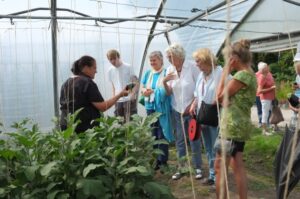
(261, 65)
(176, 50)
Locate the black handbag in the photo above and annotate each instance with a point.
(208, 114)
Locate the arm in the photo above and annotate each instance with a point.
(167, 78)
(262, 80)
(105, 105)
(261, 90)
(220, 90)
(232, 88)
(193, 107)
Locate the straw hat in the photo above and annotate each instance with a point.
(297, 56)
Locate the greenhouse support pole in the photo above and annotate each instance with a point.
(150, 37)
(54, 56)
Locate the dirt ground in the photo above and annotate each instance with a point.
(260, 181)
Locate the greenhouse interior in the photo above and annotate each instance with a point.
(41, 40)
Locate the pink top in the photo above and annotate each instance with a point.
(266, 82)
(258, 73)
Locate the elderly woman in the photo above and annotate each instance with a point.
(205, 91)
(237, 96)
(180, 83)
(266, 90)
(156, 100)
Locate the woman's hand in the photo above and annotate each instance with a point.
(124, 92)
(169, 77)
(273, 87)
(192, 110)
(147, 92)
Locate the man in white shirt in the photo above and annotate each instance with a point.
(121, 75)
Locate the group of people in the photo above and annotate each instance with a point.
(177, 92)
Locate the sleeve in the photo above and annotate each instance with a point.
(195, 72)
(244, 77)
(261, 80)
(109, 75)
(196, 87)
(93, 93)
(145, 78)
(133, 76)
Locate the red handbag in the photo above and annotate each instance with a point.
(194, 130)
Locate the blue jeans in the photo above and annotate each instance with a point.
(259, 110)
(180, 142)
(209, 136)
(159, 135)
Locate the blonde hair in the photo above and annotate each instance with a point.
(205, 56)
(296, 64)
(241, 49)
(176, 50)
(113, 53)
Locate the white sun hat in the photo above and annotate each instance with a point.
(297, 56)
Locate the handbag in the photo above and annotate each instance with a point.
(194, 130)
(142, 100)
(208, 114)
(276, 115)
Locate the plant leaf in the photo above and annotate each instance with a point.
(91, 187)
(157, 190)
(90, 168)
(30, 172)
(47, 168)
(140, 169)
(52, 194)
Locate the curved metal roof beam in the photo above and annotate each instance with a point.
(292, 2)
(194, 18)
(150, 36)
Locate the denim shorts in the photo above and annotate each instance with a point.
(231, 147)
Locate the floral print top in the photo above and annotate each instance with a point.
(236, 119)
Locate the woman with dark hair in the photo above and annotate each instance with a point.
(237, 97)
(81, 92)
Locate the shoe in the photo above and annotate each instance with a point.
(176, 176)
(198, 174)
(266, 133)
(157, 167)
(207, 182)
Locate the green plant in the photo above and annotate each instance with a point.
(283, 89)
(112, 160)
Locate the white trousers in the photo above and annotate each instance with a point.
(266, 106)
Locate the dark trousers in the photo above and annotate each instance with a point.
(159, 135)
(126, 109)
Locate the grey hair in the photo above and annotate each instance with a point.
(176, 50)
(261, 65)
(157, 54)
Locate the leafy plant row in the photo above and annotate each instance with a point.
(112, 160)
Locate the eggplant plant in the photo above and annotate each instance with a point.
(111, 161)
